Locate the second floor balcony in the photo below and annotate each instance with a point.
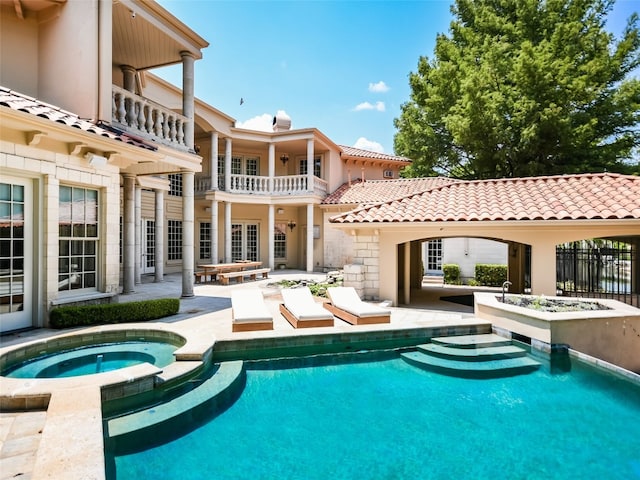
(146, 119)
(261, 185)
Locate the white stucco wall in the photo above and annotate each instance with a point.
(467, 252)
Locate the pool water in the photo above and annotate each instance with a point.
(389, 420)
(94, 359)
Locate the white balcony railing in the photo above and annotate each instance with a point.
(147, 119)
(257, 185)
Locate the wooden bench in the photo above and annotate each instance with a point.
(201, 277)
(252, 274)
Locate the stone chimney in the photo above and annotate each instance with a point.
(281, 122)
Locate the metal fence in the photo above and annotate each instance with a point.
(597, 269)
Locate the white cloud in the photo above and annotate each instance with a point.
(261, 123)
(379, 106)
(370, 145)
(379, 87)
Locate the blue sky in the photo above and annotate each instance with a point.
(339, 66)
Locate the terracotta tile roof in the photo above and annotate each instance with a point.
(376, 191)
(357, 152)
(565, 197)
(23, 103)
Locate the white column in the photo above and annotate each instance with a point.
(310, 165)
(271, 231)
(543, 268)
(227, 164)
(213, 161)
(137, 266)
(407, 273)
(227, 232)
(188, 245)
(272, 165)
(128, 78)
(159, 237)
(214, 232)
(128, 234)
(310, 237)
(188, 103)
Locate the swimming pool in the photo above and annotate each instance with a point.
(381, 418)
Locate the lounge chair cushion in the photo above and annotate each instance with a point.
(248, 306)
(301, 304)
(347, 299)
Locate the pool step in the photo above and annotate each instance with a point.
(472, 356)
(473, 341)
(217, 389)
(480, 354)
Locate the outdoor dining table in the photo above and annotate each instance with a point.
(214, 269)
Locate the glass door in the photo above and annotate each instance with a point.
(16, 254)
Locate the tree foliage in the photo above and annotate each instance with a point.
(525, 87)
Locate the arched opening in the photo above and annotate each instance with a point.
(595, 268)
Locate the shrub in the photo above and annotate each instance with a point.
(491, 275)
(129, 312)
(451, 273)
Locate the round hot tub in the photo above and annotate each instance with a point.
(100, 352)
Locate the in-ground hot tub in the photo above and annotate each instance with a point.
(90, 353)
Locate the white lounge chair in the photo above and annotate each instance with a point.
(347, 305)
(301, 310)
(249, 312)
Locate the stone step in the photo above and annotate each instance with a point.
(472, 341)
(460, 368)
(218, 388)
(472, 354)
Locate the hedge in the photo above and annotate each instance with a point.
(491, 275)
(451, 273)
(129, 312)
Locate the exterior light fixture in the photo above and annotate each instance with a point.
(291, 225)
(284, 158)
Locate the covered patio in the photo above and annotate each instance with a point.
(537, 213)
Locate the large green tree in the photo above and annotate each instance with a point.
(525, 87)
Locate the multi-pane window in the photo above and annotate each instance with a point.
(434, 254)
(150, 243)
(77, 238)
(174, 240)
(175, 184)
(317, 166)
(205, 240)
(12, 242)
(221, 172)
(280, 240)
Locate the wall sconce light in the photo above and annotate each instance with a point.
(284, 158)
(280, 211)
(291, 225)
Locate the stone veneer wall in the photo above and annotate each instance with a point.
(364, 273)
(338, 245)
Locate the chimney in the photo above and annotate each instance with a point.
(281, 122)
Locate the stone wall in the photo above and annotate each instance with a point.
(364, 273)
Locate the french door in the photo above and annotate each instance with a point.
(244, 241)
(16, 254)
(148, 263)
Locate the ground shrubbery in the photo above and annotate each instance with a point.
(85, 315)
(491, 275)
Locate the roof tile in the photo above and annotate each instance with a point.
(566, 197)
(23, 103)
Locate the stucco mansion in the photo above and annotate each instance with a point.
(108, 173)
